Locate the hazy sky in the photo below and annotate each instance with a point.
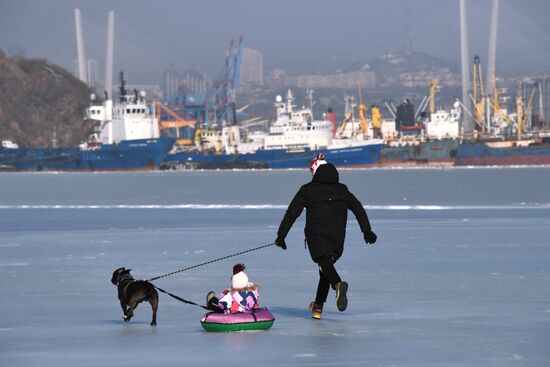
(302, 36)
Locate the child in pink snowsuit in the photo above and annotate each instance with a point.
(241, 297)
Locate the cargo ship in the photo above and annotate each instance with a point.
(125, 136)
(139, 154)
(292, 141)
(498, 153)
(419, 153)
(432, 141)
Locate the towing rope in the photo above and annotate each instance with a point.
(209, 262)
(180, 299)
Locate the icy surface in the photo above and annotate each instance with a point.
(466, 284)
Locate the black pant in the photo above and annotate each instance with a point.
(327, 277)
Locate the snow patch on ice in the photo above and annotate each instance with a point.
(305, 355)
(197, 252)
(15, 328)
(517, 357)
(14, 264)
(9, 245)
(520, 206)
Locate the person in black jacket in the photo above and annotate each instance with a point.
(327, 202)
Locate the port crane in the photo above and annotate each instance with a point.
(478, 93)
(218, 103)
(484, 103)
(523, 115)
(168, 119)
(362, 110)
(223, 94)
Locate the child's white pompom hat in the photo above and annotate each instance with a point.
(239, 279)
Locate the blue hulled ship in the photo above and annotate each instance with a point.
(293, 139)
(125, 136)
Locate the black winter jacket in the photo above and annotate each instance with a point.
(327, 202)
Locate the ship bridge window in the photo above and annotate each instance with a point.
(128, 110)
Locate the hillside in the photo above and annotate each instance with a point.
(38, 98)
(402, 62)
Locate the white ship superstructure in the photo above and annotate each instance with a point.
(297, 129)
(132, 120)
(8, 144)
(129, 119)
(444, 124)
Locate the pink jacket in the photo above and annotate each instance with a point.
(239, 300)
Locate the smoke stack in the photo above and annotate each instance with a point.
(491, 59)
(110, 53)
(80, 47)
(467, 123)
(331, 116)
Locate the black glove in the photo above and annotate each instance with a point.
(370, 237)
(281, 243)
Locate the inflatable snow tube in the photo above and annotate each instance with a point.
(259, 319)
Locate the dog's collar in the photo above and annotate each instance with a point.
(125, 278)
(123, 284)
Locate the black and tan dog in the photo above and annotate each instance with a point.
(131, 292)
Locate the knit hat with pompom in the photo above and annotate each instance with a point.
(318, 161)
(239, 280)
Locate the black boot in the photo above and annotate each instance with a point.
(212, 301)
(341, 299)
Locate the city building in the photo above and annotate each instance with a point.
(252, 69)
(276, 78)
(189, 82)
